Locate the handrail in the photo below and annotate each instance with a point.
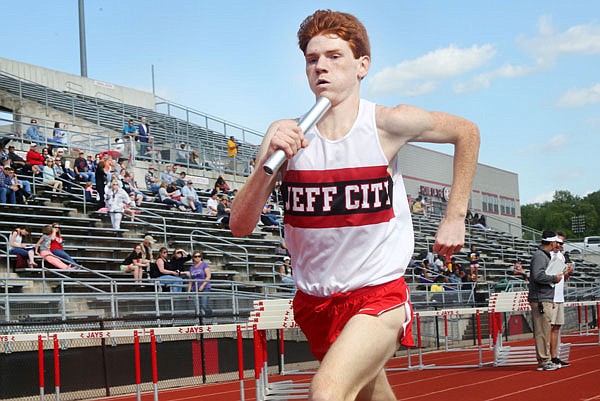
(154, 214)
(200, 232)
(7, 254)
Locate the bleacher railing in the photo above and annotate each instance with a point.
(194, 235)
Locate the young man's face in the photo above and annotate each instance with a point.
(331, 68)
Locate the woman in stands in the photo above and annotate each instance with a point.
(222, 184)
(133, 263)
(57, 247)
(17, 247)
(161, 270)
(165, 197)
(49, 176)
(42, 248)
(101, 181)
(200, 275)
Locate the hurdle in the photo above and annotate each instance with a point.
(583, 322)
(275, 314)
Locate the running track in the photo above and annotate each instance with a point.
(576, 382)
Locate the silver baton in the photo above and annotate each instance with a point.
(311, 118)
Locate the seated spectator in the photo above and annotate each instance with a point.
(178, 260)
(200, 280)
(33, 157)
(222, 184)
(19, 242)
(19, 164)
(181, 181)
(152, 181)
(146, 246)
(34, 135)
(425, 272)
(132, 190)
(480, 223)
(46, 151)
(21, 188)
(92, 162)
(91, 195)
(437, 285)
(67, 175)
(42, 248)
(189, 197)
(282, 248)
(519, 270)
(474, 259)
(223, 212)
(49, 176)
(195, 159)
(183, 154)
(80, 167)
(168, 176)
(268, 218)
(166, 197)
(59, 136)
(7, 194)
(212, 203)
(135, 264)
(161, 270)
(57, 245)
(285, 271)
(417, 206)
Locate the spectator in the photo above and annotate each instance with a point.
(232, 150)
(91, 195)
(59, 136)
(251, 166)
(66, 175)
(130, 130)
(189, 197)
(222, 184)
(130, 186)
(21, 248)
(183, 154)
(474, 259)
(146, 246)
(200, 275)
(144, 136)
(166, 197)
(152, 181)
(6, 187)
(558, 315)
(417, 206)
(162, 271)
(212, 203)
(195, 158)
(268, 218)
(178, 260)
(119, 148)
(282, 248)
(80, 168)
(34, 135)
(518, 270)
(21, 188)
(34, 157)
(168, 176)
(101, 182)
(19, 164)
(57, 245)
(181, 181)
(116, 199)
(541, 300)
(134, 263)
(223, 212)
(437, 285)
(42, 248)
(285, 271)
(49, 176)
(479, 221)
(92, 163)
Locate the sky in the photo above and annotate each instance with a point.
(527, 72)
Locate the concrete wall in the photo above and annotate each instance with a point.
(63, 81)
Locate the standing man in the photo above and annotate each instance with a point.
(144, 136)
(346, 211)
(558, 318)
(541, 299)
(232, 150)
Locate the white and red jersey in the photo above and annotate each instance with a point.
(347, 220)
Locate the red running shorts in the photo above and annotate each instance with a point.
(323, 318)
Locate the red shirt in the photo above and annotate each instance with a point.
(56, 243)
(34, 157)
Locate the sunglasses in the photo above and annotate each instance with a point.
(197, 256)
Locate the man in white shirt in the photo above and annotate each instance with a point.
(212, 203)
(189, 197)
(558, 317)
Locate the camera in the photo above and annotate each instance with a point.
(541, 308)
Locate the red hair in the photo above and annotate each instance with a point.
(345, 26)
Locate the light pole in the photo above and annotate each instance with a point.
(82, 50)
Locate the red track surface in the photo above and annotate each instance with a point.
(576, 382)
